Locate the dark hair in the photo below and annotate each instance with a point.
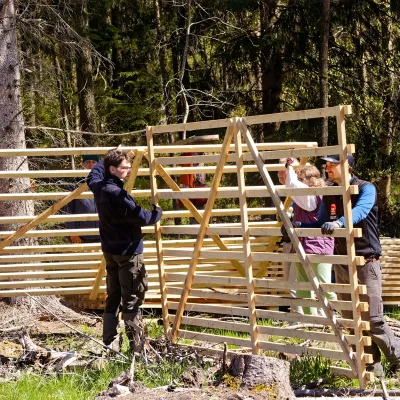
(114, 158)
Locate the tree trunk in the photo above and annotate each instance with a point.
(270, 372)
(84, 80)
(271, 65)
(164, 73)
(12, 134)
(323, 68)
(62, 101)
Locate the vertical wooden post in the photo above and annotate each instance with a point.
(351, 251)
(128, 187)
(160, 256)
(248, 263)
(203, 226)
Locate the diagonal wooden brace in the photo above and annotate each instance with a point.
(203, 228)
(41, 217)
(319, 292)
(273, 241)
(193, 210)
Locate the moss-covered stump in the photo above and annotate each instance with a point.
(263, 373)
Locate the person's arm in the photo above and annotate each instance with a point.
(363, 206)
(96, 176)
(134, 213)
(308, 203)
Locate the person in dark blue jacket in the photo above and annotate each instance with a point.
(121, 220)
(83, 206)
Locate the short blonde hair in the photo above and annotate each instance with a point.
(313, 175)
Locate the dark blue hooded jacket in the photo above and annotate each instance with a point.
(120, 217)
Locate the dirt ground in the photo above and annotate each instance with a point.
(206, 393)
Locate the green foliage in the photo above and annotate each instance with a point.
(307, 368)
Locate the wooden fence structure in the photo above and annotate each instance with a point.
(232, 268)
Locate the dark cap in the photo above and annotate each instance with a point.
(90, 157)
(335, 158)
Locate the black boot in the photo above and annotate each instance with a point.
(134, 329)
(110, 323)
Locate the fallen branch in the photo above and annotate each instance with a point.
(77, 330)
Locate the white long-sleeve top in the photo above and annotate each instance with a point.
(308, 203)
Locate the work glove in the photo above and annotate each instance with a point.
(328, 227)
(296, 224)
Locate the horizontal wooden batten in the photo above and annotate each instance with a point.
(213, 324)
(49, 266)
(254, 231)
(236, 311)
(267, 330)
(253, 120)
(264, 300)
(259, 257)
(166, 215)
(185, 334)
(203, 148)
(223, 192)
(306, 334)
(262, 283)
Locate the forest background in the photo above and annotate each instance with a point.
(116, 66)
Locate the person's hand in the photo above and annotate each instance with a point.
(296, 224)
(157, 208)
(76, 239)
(289, 161)
(328, 227)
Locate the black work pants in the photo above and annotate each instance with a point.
(370, 274)
(126, 286)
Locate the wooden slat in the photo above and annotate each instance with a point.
(359, 364)
(251, 120)
(259, 257)
(262, 283)
(223, 192)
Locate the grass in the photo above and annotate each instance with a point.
(69, 386)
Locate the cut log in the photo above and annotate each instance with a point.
(257, 371)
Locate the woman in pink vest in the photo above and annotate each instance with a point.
(306, 210)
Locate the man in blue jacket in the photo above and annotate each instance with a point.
(365, 216)
(83, 206)
(121, 238)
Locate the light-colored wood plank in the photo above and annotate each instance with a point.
(223, 192)
(250, 120)
(159, 242)
(203, 226)
(259, 257)
(359, 364)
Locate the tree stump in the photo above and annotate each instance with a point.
(259, 371)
